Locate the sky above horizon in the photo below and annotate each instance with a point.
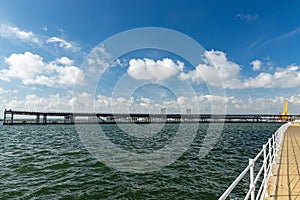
(250, 61)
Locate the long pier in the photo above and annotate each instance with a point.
(13, 117)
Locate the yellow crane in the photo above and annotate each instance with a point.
(286, 106)
(285, 110)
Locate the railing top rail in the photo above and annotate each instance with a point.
(234, 183)
(258, 155)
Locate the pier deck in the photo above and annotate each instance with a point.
(288, 174)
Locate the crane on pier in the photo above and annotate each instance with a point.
(285, 111)
(285, 108)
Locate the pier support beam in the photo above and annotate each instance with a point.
(37, 119)
(45, 119)
(69, 119)
(11, 118)
(4, 119)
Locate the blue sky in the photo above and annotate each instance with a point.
(253, 45)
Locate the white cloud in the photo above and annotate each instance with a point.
(65, 61)
(59, 77)
(5, 91)
(148, 69)
(256, 65)
(205, 103)
(216, 71)
(13, 32)
(23, 66)
(86, 102)
(247, 17)
(198, 104)
(294, 99)
(67, 75)
(31, 69)
(83, 102)
(145, 102)
(54, 102)
(62, 43)
(100, 50)
(288, 77)
(264, 105)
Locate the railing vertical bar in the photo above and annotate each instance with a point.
(252, 185)
(270, 152)
(265, 168)
(273, 146)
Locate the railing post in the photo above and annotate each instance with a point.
(265, 171)
(270, 156)
(252, 185)
(273, 146)
(270, 151)
(278, 140)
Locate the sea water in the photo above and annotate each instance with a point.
(51, 162)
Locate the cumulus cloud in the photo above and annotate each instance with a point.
(256, 65)
(205, 103)
(59, 76)
(288, 77)
(86, 102)
(148, 69)
(52, 102)
(218, 71)
(83, 102)
(62, 43)
(23, 66)
(65, 61)
(31, 69)
(13, 32)
(216, 68)
(145, 102)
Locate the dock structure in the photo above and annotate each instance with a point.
(274, 173)
(287, 173)
(13, 117)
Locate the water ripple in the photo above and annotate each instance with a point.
(50, 162)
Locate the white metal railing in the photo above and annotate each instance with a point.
(269, 154)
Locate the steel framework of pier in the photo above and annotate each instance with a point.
(12, 117)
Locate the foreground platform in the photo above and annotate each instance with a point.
(288, 169)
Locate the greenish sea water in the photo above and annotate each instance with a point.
(50, 162)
